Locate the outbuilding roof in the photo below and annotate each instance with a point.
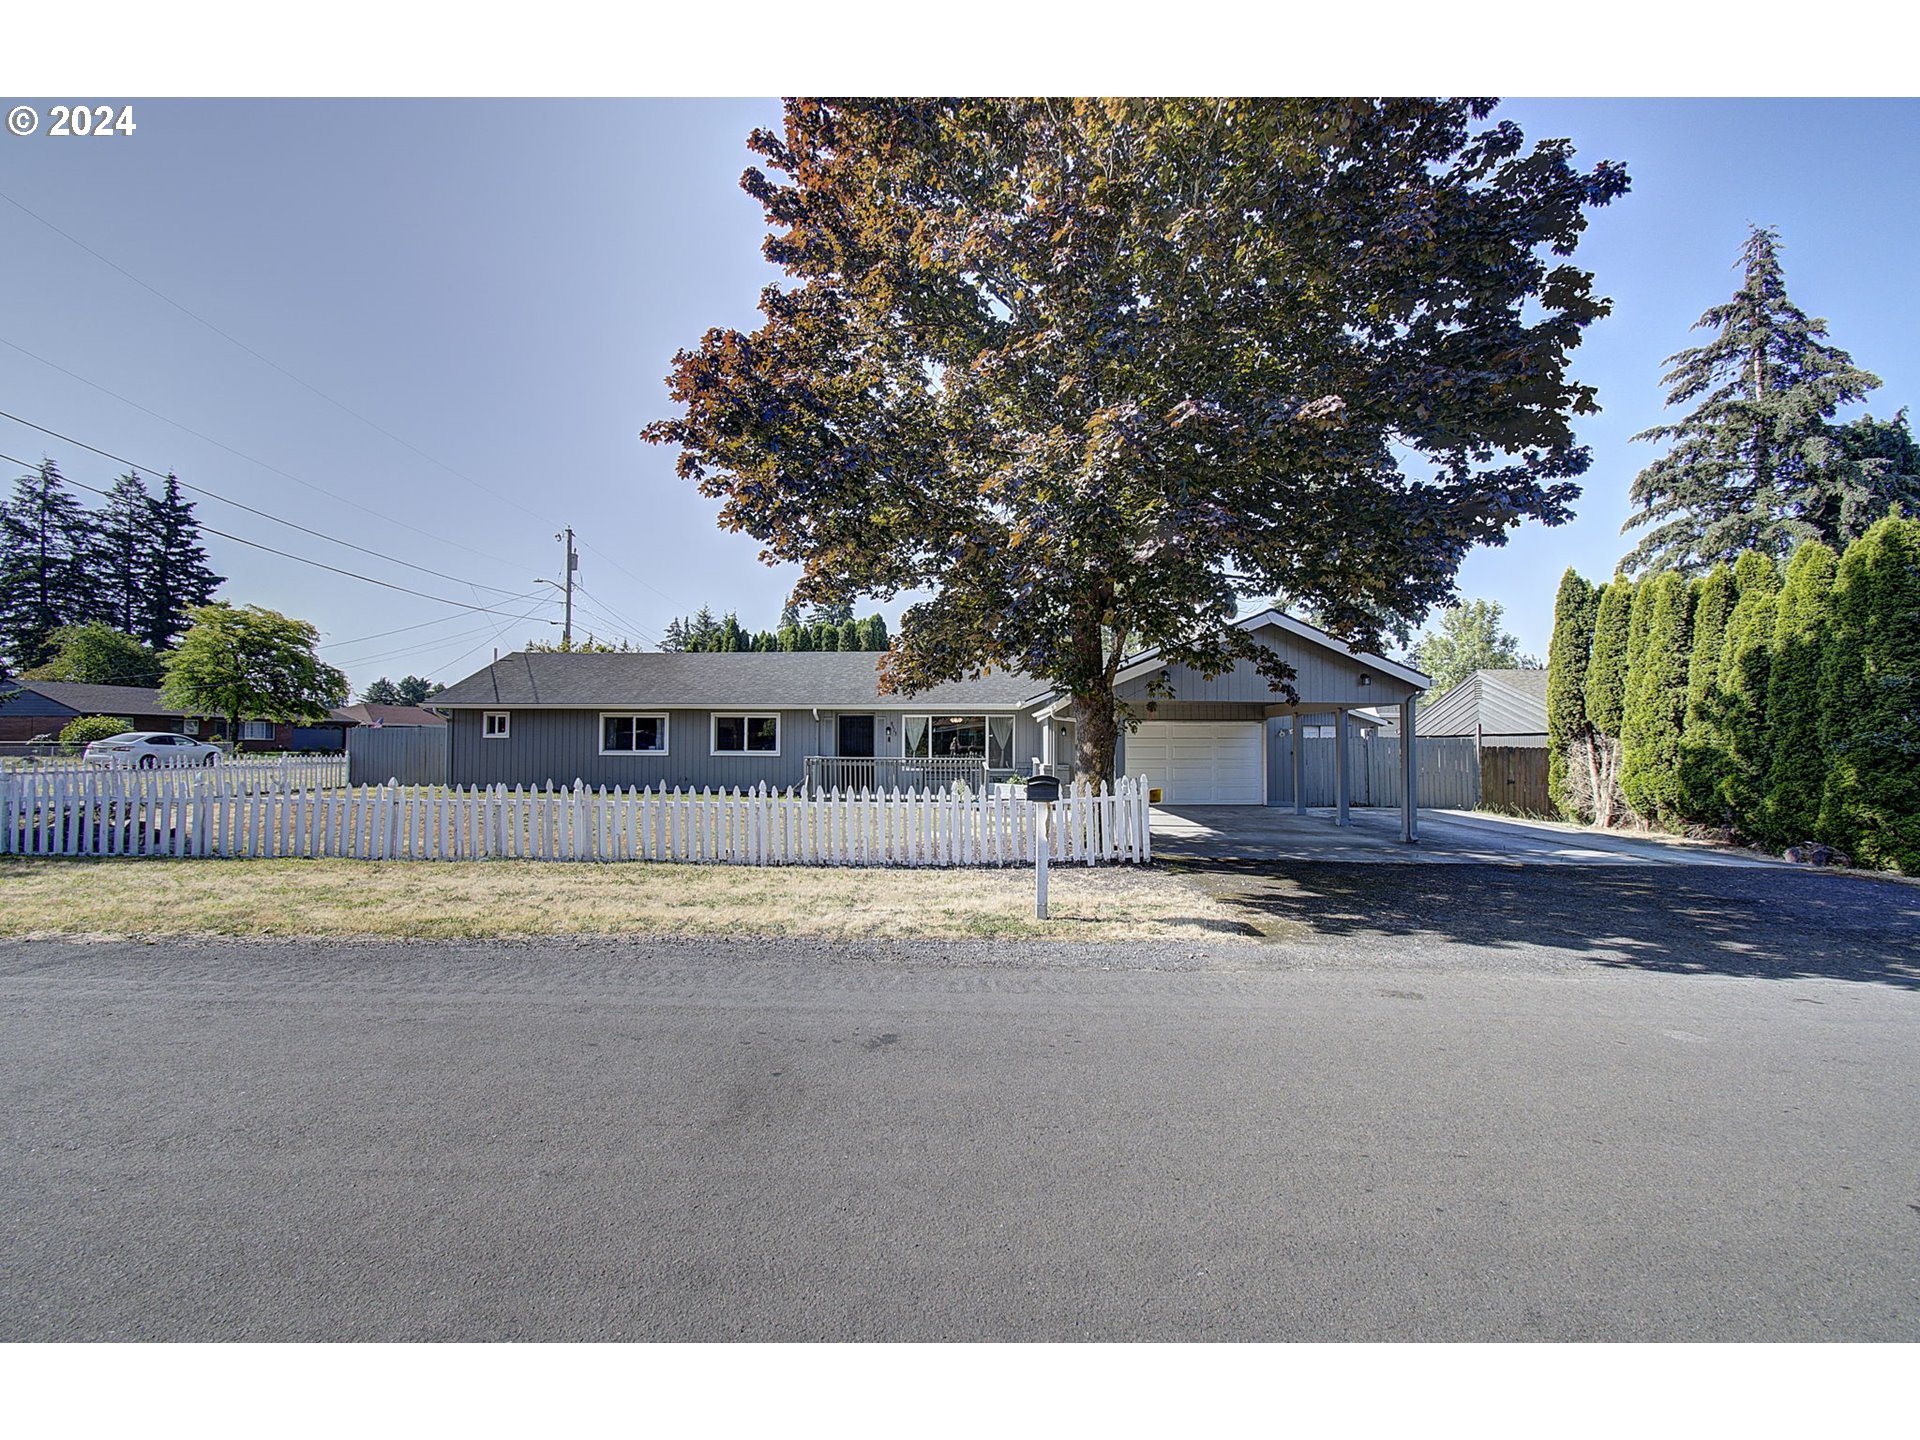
(1499, 702)
(776, 680)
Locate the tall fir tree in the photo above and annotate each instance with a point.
(874, 636)
(1656, 704)
(1607, 669)
(124, 542)
(178, 578)
(1701, 747)
(1575, 607)
(1870, 710)
(674, 638)
(1797, 760)
(1757, 463)
(1745, 659)
(47, 545)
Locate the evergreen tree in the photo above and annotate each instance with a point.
(1639, 614)
(835, 613)
(789, 615)
(381, 692)
(178, 578)
(1797, 760)
(1656, 705)
(1574, 610)
(124, 553)
(416, 689)
(791, 636)
(850, 637)
(46, 547)
(1870, 711)
(876, 632)
(1874, 471)
(1701, 748)
(1757, 463)
(1607, 670)
(674, 638)
(1744, 662)
(731, 638)
(825, 636)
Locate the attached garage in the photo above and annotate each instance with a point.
(1201, 762)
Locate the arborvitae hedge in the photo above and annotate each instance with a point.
(1656, 705)
(1797, 765)
(1870, 711)
(1607, 669)
(1742, 717)
(1700, 749)
(1574, 608)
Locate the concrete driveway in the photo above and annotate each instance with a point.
(1449, 837)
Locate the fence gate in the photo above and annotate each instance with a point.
(1513, 779)
(411, 754)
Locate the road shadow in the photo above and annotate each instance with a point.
(1766, 923)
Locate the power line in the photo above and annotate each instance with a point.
(251, 460)
(264, 515)
(287, 554)
(402, 629)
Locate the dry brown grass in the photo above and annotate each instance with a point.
(338, 899)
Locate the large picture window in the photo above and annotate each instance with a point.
(746, 734)
(970, 737)
(633, 734)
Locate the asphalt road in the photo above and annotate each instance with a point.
(1374, 1137)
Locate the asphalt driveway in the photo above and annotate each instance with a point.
(1275, 833)
(1625, 1118)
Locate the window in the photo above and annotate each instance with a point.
(633, 734)
(976, 737)
(746, 734)
(495, 724)
(256, 730)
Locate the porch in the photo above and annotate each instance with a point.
(852, 774)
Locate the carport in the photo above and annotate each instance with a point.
(1204, 741)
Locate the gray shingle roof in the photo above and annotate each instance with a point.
(783, 680)
(99, 699)
(1501, 702)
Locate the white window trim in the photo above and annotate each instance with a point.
(247, 730)
(666, 732)
(985, 717)
(505, 732)
(713, 734)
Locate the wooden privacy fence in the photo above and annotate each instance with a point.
(410, 754)
(1449, 776)
(195, 816)
(1513, 779)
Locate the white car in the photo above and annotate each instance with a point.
(151, 750)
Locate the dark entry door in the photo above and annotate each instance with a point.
(856, 736)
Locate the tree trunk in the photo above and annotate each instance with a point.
(1097, 732)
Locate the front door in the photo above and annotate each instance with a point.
(856, 737)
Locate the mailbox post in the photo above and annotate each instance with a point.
(1042, 790)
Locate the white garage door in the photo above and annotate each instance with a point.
(1201, 762)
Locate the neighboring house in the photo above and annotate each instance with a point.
(381, 717)
(1499, 707)
(784, 719)
(36, 709)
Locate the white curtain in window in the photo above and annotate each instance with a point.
(916, 730)
(1000, 742)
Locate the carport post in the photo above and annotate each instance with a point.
(1410, 767)
(1299, 767)
(1340, 766)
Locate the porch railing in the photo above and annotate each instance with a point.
(895, 772)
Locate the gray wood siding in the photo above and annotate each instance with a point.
(564, 745)
(1323, 677)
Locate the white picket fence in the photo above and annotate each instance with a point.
(187, 815)
(244, 774)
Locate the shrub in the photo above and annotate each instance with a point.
(84, 731)
(1656, 705)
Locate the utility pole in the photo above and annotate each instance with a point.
(573, 564)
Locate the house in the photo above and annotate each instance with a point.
(1497, 707)
(819, 718)
(39, 709)
(381, 717)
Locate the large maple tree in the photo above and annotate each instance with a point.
(1087, 373)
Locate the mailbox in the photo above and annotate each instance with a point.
(1043, 789)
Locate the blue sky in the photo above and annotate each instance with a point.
(501, 286)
